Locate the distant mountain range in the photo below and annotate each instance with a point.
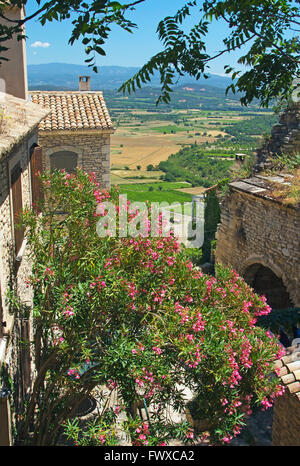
(64, 76)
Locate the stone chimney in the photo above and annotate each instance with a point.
(84, 83)
(13, 73)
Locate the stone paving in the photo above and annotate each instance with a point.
(257, 432)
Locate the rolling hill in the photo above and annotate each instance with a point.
(65, 75)
(205, 94)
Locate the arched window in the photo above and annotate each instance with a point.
(66, 160)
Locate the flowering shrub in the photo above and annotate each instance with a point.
(134, 315)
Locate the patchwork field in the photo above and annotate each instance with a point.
(145, 138)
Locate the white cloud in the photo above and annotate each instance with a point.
(38, 43)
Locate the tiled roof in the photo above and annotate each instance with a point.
(288, 369)
(18, 118)
(73, 110)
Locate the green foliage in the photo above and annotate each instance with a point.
(212, 217)
(286, 161)
(101, 429)
(194, 166)
(195, 255)
(256, 126)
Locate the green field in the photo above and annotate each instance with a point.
(156, 192)
(168, 129)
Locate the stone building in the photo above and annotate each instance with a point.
(19, 187)
(259, 237)
(20, 159)
(77, 131)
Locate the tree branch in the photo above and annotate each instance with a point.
(228, 50)
(273, 44)
(20, 22)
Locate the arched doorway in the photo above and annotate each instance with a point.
(65, 160)
(265, 282)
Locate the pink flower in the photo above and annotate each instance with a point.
(190, 434)
(266, 403)
(247, 305)
(280, 390)
(189, 299)
(227, 439)
(102, 438)
(117, 409)
(48, 271)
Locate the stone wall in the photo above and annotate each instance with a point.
(13, 274)
(286, 421)
(256, 231)
(20, 153)
(284, 138)
(286, 417)
(91, 147)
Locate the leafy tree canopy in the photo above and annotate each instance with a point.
(265, 33)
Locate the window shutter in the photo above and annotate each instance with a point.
(64, 160)
(25, 358)
(17, 205)
(36, 167)
(5, 422)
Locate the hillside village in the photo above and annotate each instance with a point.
(257, 234)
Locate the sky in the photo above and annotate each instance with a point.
(49, 43)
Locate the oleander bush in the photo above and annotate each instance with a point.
(135, 316)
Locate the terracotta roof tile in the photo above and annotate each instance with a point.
(294, 387)
(288, 370)
(73, 110)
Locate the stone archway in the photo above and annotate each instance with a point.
(264, 281)
(266, 277)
